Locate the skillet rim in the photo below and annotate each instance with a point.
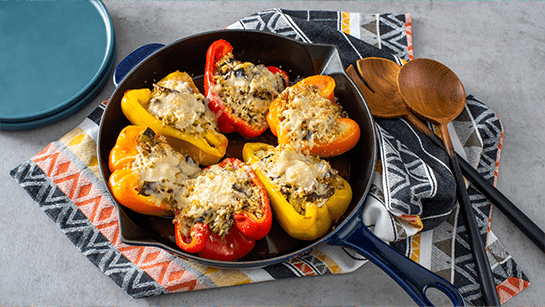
(332, 66)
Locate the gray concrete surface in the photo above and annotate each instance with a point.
(496, 48)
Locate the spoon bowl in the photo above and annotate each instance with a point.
(431, 90)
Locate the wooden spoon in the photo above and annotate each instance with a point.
(384, 100)
(381, 93)
(433, 92)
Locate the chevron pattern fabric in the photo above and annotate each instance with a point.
(343, 29)
(83, 233)
(411, 203)
(390, 32)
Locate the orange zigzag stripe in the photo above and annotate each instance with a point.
(303, 267)
(409, 33)
(101, 212)
(46, 159)
(497, 165)
(511, 287)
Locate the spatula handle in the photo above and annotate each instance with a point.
(513, 213)
(482, 265)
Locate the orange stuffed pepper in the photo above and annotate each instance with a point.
(147, 173)
(306, 115)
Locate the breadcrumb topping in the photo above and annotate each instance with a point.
(307, 116)
(301, 178)
(247, 89)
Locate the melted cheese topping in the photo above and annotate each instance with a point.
(247, 89)
(308, 117)
(163, 171)
(301, 178)
(216, 194)
(176, 104)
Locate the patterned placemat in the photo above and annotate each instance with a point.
(64, 180)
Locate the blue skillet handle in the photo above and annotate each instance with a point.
(411, 276)
(132, 60)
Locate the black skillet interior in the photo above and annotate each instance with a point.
(298, 60)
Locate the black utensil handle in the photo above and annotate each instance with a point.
(411, 276)
(482, 265)
(513, 213)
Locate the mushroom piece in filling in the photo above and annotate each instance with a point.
(176, 104)
(307, 116)
(214, 195)
(301, 178)
(247, 89)
(163, 171)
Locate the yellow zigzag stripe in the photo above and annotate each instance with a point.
(415, 248)
(345, 22)
(227, 277)
(222, 277)
(84, 147)
(331, 264)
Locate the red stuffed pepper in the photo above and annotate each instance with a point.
(307, 116)
(223, 213)
(240, 92)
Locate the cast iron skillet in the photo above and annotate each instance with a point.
(357, 166)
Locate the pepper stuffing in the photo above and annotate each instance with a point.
(176, 109)
(146, 173)
(240, 92)
(306, 194)
(306, 115)
(224, 211)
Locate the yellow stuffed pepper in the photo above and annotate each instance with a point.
(307, 195)
(176, 109)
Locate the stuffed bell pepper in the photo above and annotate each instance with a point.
(146, 172)
(224, 210)
(306, 115)
(176, 109)
(307, 195)
(240, 92)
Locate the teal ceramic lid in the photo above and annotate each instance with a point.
(54, 58)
